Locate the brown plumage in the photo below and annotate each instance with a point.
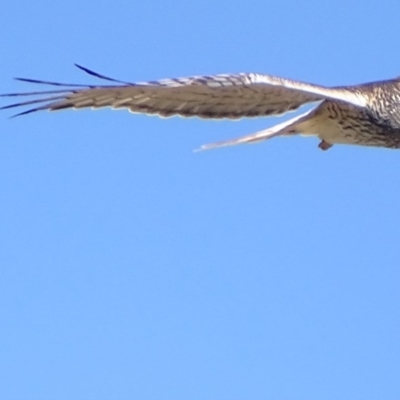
(367, 114)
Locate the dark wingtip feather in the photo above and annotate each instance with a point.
(32, 110)
(52, 106)
(100, 76)
(35, 101)
(40, 93)
(61, 94)
(41, 82)
(88, 71)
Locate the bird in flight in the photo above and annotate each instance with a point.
(366, 114)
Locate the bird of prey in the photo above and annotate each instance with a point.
(366, 114)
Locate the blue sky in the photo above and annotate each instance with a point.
(132, 267)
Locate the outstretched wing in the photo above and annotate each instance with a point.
(216, 96)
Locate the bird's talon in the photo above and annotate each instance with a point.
(324, 145)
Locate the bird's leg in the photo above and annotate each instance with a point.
(324, 145)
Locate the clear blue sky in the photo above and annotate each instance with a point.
(133, 268)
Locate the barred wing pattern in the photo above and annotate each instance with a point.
(224, 96)
(229, 96)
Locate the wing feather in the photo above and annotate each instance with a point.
(218, 96)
